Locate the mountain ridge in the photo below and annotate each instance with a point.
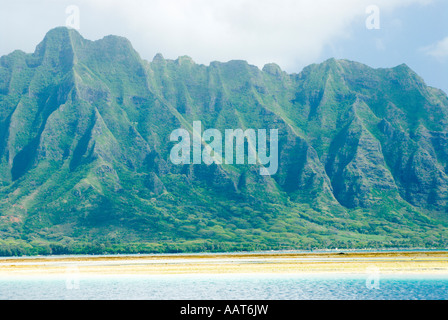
(84, 153)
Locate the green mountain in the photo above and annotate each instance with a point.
(85, 154)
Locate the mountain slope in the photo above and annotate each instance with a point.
(85, 143)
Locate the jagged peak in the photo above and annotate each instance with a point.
(334, 64)
(182, 60)
(158, 58)
(272, 69)
(403, 66)
(237, 62)
(114, 39)
(61, 38)
(58, 31)
(325, 65)
(117, 46)
(58, 47)
(58, 35)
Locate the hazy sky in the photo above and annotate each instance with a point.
(292, 33)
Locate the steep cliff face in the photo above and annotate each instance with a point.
(85, 143)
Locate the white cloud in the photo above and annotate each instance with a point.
(292, 33)
(438, 50)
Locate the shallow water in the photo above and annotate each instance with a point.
(229, 287)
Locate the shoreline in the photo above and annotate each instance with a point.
(233, 253)
(256, 263)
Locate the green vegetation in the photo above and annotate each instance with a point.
(84, 154)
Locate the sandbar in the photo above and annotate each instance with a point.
(395, 263)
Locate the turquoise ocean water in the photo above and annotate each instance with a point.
(229, 287)
(374, 286)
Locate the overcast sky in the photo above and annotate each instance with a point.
(292, 33)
